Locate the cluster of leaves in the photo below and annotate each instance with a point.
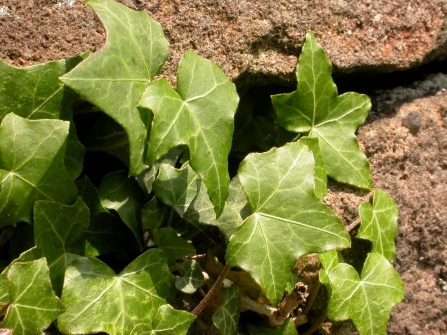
(175, 144)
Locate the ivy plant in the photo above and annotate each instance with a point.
(208, 206)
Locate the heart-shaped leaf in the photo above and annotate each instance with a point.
(35, 92)
(367, 300)
(114, 78)
(320, 173)
(316, 109)
(33, 304)
(167, 321)
(199, 115)
(98, 300)
(32, 152)
(191, 277)
(288, 220)
(379, 223)
(226, 319)
(124, 195)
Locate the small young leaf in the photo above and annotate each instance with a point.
(226, 319)
(199, 115)
(114, 78)
(368, 300)
(379, 223)
(124, 195)
(32, 151)
(167, 321)
(288, 328)
(289, 221)
(106, 232)
(172, 245)
(176, 187)
(316, 109)
(329, 260)
(56, 228)
(35, 92)
(98, 300)
(236, 209)
(191, 277)
(33, 303)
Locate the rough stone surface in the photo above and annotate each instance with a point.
(251, 40)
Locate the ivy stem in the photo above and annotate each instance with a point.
(352, 225)
(171, 215)
(201, 306)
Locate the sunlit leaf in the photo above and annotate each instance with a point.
(35, 92)
(176, 187)
(366, 300)
(316, 109)
(172, 245)
(32, 151)
(33, 303)
(226, 319)
(379, 223)
(115, 77)
(288, 220)
(98, 300)
(320, 172)
(199, 115)
(124, 195)
(167, 321)
(329, 260)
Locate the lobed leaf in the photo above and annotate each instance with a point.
(98, 300)
(33, 304)
(226, 319)
(172, 245)
(288, 220)
(167, 321)
(191, 277)
(379, 223)
(320, 173)
(35, 92)
(32, 156)
(200, 115)
(114, 78)
(316, 109)
(154, 214)
(367, 300)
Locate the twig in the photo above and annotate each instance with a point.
(289, 303)
(317, 324)
(255, 306)
(201, 306)
(352, 225)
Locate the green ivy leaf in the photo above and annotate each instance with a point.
(288, 220)
(176, 187)
(114, 78)
(320, 172)
(288, 328)
(250, 131)
(316, 109)
(106, 233)
(172, 245)
(379, 223)
(33, 304)
(56, 228)
(98, 300)
(236, 209)
(154, 214)
(167, 321)
(124, 195)
(35, 92)
(328, 260)
(368, 300)
(226, 319)
(199, 115)
(32, 151)
(191, 277)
